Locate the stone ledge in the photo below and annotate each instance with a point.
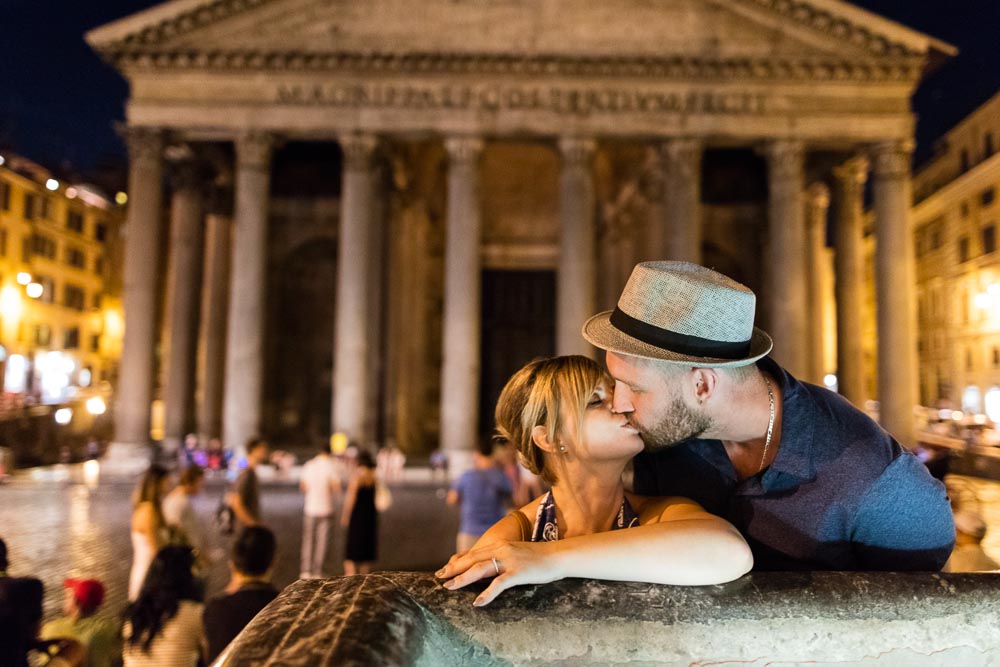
(402, 618)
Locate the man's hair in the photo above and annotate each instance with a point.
(253, 551)
(191, 475)
(3, 554)
(670, 370)
(255, 442)
(485, 446)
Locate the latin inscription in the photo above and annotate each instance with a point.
(574, 101)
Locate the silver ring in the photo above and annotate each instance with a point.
(496, 566)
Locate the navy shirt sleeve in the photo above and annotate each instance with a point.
(904, 521)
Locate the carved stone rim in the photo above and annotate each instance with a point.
(671, 67)
(795, 11)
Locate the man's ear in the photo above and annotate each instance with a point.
(705, 381)
(540, 436)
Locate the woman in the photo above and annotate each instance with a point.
(557, 412)
(163, 626)
(360, 517)
(149, 529)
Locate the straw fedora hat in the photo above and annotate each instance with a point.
(683, 313)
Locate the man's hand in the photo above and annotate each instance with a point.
(518, 563)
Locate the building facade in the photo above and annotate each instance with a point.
(491, 175)
(956, 217)
(61, 321)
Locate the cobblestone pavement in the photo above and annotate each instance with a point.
(58, 529)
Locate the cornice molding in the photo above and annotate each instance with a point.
(675, 67)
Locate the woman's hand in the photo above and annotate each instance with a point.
(516, 563)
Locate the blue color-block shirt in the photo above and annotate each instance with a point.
(841, 493)
(485, 497)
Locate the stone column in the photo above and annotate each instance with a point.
(785, 258)
(142, 251)
(849, 277)
(682, 199)
(356, 251)
(576, 280)
(214, 307)
(895, 282)
(183, 281)
(245, 331)
(817, 207)
(462, 305)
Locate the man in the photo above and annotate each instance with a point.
(98, 636)
(810, 481)
(320, 482)
(244, 497)
(484, 493)
(249, 589)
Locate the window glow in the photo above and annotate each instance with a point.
(972, 400)
(16, 374)
(993, 404)
(34, 290)
(23, 278)
(11, 305)
(96, 405)
(64, 416)
(982, 300)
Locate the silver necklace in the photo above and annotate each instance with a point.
(770, 424)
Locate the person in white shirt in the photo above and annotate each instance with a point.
(320, 482)
(181, 517)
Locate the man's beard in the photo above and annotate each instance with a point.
(679, 424)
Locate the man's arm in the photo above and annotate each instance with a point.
(904, 522)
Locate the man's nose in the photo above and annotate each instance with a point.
(622, 400)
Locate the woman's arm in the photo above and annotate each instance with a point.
(146, 523)
(677, 543)
(349, 498)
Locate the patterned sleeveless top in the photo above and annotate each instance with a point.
(547, 529)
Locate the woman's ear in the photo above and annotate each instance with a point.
(540, 436)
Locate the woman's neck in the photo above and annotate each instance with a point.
(587, 498)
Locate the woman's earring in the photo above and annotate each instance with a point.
(562, 448)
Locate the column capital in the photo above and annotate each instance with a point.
(576, 151)
(189, 173)
(463, 149)
(785, 157)
(892, 159)
(854, 171)
(254, 149)
(818, 195)
(358, 149)
(142, 143)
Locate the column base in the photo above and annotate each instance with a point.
(126, 459)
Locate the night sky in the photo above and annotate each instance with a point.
(58, 101)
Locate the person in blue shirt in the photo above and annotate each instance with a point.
(483, 495)
(808, 479)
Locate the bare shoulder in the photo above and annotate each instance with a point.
(655, 509)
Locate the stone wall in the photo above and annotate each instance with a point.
(815, 618)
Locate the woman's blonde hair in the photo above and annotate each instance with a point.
(549, 393)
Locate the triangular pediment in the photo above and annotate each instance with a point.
(718, 30)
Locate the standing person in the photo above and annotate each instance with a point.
(163, 626)
(249, 589)
(483, 495)
(360, 517)
(244, 496)
(97, 636)
(180, 515)
(149, 529)
(968, 556)
(809, 480)
(320, 482)
(20, 614)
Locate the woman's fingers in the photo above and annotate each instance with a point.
(475, 572)
(496, 587)
(457, 564)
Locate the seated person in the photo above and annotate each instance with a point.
(97, 636)
(558, 413)
(249, 590)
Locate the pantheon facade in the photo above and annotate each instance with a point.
(360, 216)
